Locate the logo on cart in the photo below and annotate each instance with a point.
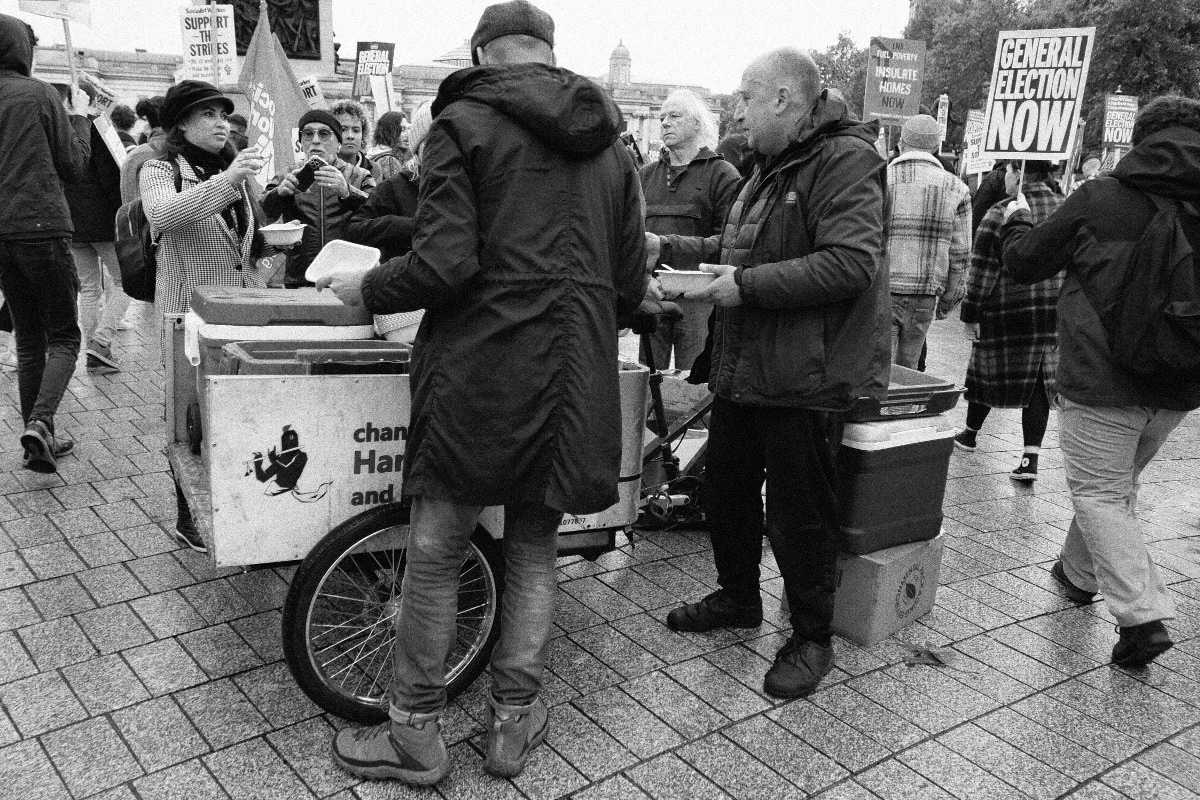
(908, 594)
(282, 469)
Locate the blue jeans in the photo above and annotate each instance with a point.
(912, 314)
(426, 629)
(1104, 451)
(39, 282)
(685, 336)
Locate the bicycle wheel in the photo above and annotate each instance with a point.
(338, 619)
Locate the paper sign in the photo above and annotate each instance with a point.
(106, 98)
(384, 95)
(108, 132)
(973, 159)
(943, 117)
(312, 92)
(73, 10)
(1037, 89)
(374, 58)
(1119, 113)
(198, 41)
(895, 68)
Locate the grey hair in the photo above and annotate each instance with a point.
(694, 105)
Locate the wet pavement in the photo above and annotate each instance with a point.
(131, 668)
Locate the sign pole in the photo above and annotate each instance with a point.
(212, 28)
(1021, 178)
(70, 54)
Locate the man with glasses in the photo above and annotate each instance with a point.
(336, 192)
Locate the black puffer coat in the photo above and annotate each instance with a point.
(529, 244)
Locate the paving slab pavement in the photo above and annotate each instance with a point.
(131, 668)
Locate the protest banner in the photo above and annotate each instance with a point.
(1119, 113)
(1038, 80)
(204, 50)
(974, 161)
(383, 92)
(276, 101)
(943, 117)
(374, 58)
(70, 10)
(895, 68)
(312, 92)
(104, 102)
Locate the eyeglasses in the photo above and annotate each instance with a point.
(322, 134)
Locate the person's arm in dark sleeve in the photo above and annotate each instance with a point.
(381, 223)
(70, 138)
(445, 252)
(630, 277)
(847, 204)
(725, 184)
(1033, 254)
(359, 194)
(274, 204)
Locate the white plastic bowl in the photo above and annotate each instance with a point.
(679, 281)
(282, 234)
(342, 256)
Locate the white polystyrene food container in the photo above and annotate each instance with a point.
(341, 256)
(282, 233)
(679, 281)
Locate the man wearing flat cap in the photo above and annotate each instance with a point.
(338, 190)
(528, 248)
(928, 238)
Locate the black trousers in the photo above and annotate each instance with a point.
(795, 452)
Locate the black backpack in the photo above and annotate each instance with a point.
(1153, 320)
(137, 248)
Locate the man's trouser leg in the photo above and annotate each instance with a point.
(115, 299)
(425, 629)
(39, 282)
(530, 594)
(802, 512)
(1105, 450)
(912, 314)
(734, 470)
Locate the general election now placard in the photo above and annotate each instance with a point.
(1037, 90)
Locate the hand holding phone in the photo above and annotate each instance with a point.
(308, 174)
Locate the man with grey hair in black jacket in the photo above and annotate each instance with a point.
(40, 146)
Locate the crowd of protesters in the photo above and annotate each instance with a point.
(518, 235)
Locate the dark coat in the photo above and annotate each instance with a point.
(691, 200)
(386, 219)
(991, 191)
(1017, 336)
(529, 245)
(40, 146)
(323, 213)
(95, 199)
(814, 329)
(1092, 237)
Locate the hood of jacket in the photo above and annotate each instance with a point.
(567, 112)
(1166, 163)
(16, 50)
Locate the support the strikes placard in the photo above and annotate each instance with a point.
(1037, 89)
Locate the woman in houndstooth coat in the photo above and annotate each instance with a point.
(199, 206)
(1015, 348)
(207, 225)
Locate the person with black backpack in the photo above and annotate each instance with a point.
(1129, 355)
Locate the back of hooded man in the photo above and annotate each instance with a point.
(40, 147)
(528, 245)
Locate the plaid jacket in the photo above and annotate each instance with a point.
(929, 229)
(1017, 335)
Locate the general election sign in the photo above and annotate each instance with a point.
(895, 68)
(1037, 89)
(374, 58)
(1119, 113)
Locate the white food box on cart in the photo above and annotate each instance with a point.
(345, 438)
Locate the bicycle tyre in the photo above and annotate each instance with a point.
(350, 584)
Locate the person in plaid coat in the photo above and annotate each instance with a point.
(1015, 349)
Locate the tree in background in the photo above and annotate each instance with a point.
(843, 66)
